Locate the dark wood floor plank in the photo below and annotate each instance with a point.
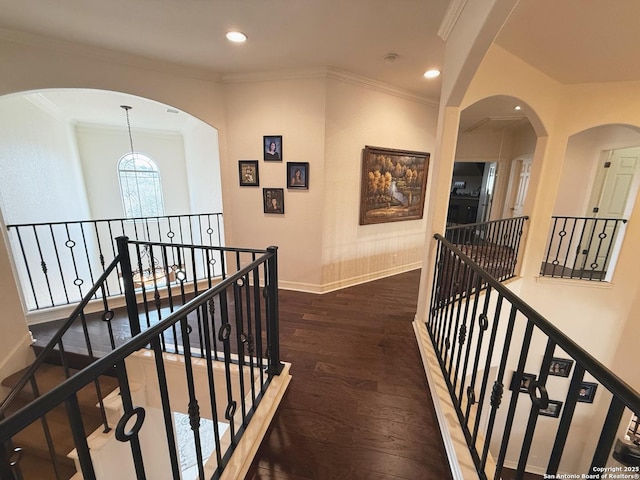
(358, 406)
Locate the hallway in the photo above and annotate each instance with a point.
(358, 406)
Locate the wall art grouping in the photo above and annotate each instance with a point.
(296, 175)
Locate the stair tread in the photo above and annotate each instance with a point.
(50, 376)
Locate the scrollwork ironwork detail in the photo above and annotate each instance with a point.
(126, 436)
(496, 394)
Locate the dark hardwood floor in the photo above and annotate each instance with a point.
(358, 406)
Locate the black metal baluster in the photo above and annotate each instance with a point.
(565, 421)
(55, 249)
(472, 325)
(487, 367)
(199, 319)
(224, 335)
(130, 436)
(498, 387)
(607, 435)
(80, 437)
(511, 412)
(536, 405)
(43, 265)
(546, 260)
(249, 336)
(86, 251)
(483, 325)
(462, 333)
(211, 380)
(166, 408)
(71, 244)
(258, 326)
(240, 341)
(587, 249)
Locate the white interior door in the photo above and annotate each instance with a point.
(615, 181)
(518, 186)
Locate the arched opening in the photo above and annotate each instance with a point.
(494, 151)
(598, 187)
(60, 188)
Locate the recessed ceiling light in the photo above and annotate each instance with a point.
(236, 37)
(432, 73)
(517, 107)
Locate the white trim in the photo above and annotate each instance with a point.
(455, 445)
(347, 282)
(328, 73)
(360, 81)
(450, 18)
(43, 103)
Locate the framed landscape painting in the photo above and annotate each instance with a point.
(393, 185)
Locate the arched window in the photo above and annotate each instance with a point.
(140, 186)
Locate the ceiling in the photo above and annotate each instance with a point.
(571, 41)
(351, 35)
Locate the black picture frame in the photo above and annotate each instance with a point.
(523, 384)
(267, 142)
(560, 367)
(248, 173)
(298, 175)
(553, 409)
(587, 392)
(273, 200)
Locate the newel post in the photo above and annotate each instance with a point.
(129, 288)
(273, 328)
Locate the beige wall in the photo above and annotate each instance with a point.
(356, 117)
(295, 110)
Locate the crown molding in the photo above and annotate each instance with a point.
(44, 104)
(365, 82)
(299, 74)
(450, 18)
(324, 73)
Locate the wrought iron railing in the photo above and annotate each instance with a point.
(226, 328)
(58, 262)
(581, 247)
(493, 245)
(563, 409)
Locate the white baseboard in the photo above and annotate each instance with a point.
(347, 282)
(455, 444)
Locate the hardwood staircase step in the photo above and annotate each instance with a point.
(36, 456)
(50, 376)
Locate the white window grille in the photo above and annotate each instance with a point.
(140, 186)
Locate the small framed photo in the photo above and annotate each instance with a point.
(272, 148)
(273, 200)
(523, 384)
(560, 367)
(298, 175)
(587, 392)
(248, 173)
(553, 410)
